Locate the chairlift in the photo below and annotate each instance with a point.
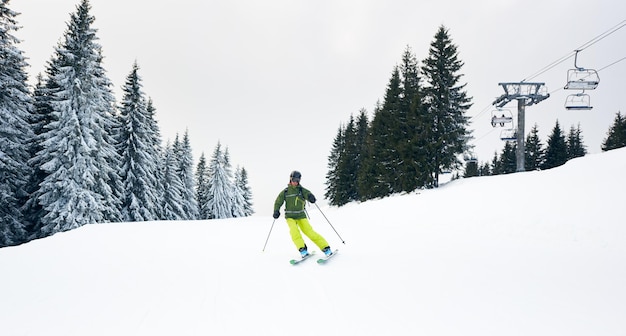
(470, 157)
(580, 78)
(578, 101)
(508, 135)
(501, 117)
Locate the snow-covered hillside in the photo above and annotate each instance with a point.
(535, 253)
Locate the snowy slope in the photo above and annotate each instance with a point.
(536, 253)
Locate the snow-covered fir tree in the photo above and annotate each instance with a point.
(242, 201)
(171, 208)
(157, 150)
(202, 188)
(218, 192)
(83, 184)
(45, 92)
(15, 132)
(139, 170)
(41, 117)
(185, 170)
(238, 199)
(241, 182)
(220, 185)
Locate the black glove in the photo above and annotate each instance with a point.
(311, 198)
(276, 214)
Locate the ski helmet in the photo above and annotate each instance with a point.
(295, 176)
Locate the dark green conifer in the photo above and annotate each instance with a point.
(447, 102)
(556, 152)
(616, 136)
(534, 151)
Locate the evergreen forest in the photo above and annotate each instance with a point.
(70, 155)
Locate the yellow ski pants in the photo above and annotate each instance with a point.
(297, 225)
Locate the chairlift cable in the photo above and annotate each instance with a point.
(485, 109)
(619, 60)
(602, 36)
(603, 68)
(581, 48)
(550, 66)
(554, 64)
(484, 135)
(565, 58)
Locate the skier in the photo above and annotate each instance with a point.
(294, 197)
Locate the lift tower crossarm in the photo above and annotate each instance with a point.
(531, 93)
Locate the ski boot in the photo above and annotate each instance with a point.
(327, 251)
(303, 252)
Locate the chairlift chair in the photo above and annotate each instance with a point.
(508, 135)
(470, 157)
(578, 101)
(501, 117)
(580, 78)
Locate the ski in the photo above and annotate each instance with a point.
(322, 261)
(297, 261)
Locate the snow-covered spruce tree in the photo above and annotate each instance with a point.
(171, 208)
(83, 185)
(220, 185)
(157, 150)
(446, 102)
(188, 198)
(244, 187)
(242, 202)
(139, 170)
(202, 188)
(15, 131)
(43, 116)
(239, 201)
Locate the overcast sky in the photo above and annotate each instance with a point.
(273, 80)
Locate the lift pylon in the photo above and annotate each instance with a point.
(526, 94)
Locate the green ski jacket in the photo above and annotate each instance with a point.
(294, 198)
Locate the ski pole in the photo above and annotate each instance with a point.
(268, 235)
(318, 208)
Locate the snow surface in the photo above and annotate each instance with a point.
(535, 253)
